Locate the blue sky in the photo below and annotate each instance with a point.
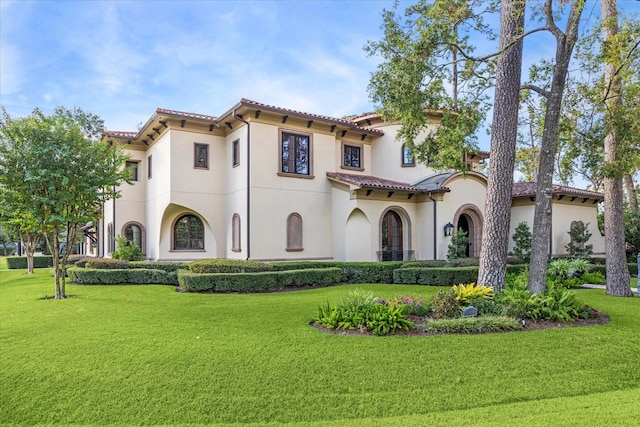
(123, 59)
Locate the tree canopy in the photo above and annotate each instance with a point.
(55, 173)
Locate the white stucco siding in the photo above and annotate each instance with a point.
(270, 209)
(519, 213)
(386, 158)
(564, 214)
(468, 194)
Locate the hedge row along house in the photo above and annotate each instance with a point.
(268, 183)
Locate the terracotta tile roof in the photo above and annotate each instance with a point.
(372, 182)
(185, 114)
(348, 123)
(528, 189)
(120, 134)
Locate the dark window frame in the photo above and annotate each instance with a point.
(192, 243)
(235, 153)
(135, 168)
(408, 159)
(295, 138)
(141, 243)
(200, 161)
(349, 161)
(149, 166)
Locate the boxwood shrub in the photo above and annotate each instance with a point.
(107, 264)
(352, 272)
(168, 266)
(228, 266)
(257, 281)
(121, 276)
(18, 262)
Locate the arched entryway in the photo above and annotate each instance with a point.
(395, 243)
(469, 218)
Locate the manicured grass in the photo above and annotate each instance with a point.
(149, 355)
(3, 263)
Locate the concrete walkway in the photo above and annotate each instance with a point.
(588, 286)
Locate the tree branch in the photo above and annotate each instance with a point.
(537, 89)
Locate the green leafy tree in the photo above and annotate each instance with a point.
(54, 169)
(522, 242)
(428, 67)
(458, 246)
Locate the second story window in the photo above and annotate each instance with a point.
(201, 156)
(236, 153)
(407, 156)
(352, 156)
(295, 154)
(133, 169)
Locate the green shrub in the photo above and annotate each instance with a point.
(168, 266)
(416, 305)
(20, 262)
(633, 268)
(435, 276)
(469, 294)
(469, 325)
(127, 249)
(220, 265)
(522, 242)
(458, 246)
(489, 307)
(121, 276)
(444, 305)
(260, 281)
(107, 264)
(361, 310)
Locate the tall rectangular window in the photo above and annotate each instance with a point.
(407, 156)
(201, 156)
(236, 152)
(133, 169)
(295, 154)
(149, 164)
(351, 156)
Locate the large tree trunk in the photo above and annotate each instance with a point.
(617, 270)
(504, 131)
(540, 243)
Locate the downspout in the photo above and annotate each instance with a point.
(435, 220)
(113, 237)
(239, 117)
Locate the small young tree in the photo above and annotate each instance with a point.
(458, 246)
(67, 174)
(522, 242)
(580, 235)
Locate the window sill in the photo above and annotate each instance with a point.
(408, 165)
(351, 168)
(295, 175)
(187, 250)
(295, 249)
(236, 250)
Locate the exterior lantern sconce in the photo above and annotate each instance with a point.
(448, 230)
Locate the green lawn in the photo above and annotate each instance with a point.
(125, 355)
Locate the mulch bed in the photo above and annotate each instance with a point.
(530, 325)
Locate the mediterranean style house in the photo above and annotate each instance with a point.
(268, 183)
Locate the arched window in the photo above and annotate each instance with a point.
(134, 232)
(294, 232)
(235, 233)
(188, 233)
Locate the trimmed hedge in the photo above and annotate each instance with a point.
(107, 264)
(168, 266)
(84, 276)
(442, 276)
(258, 281)
(19, 262)
(220, 265)
(352, 272)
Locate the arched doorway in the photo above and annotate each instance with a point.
(395, 236)
(469, 218)
(465, 224)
